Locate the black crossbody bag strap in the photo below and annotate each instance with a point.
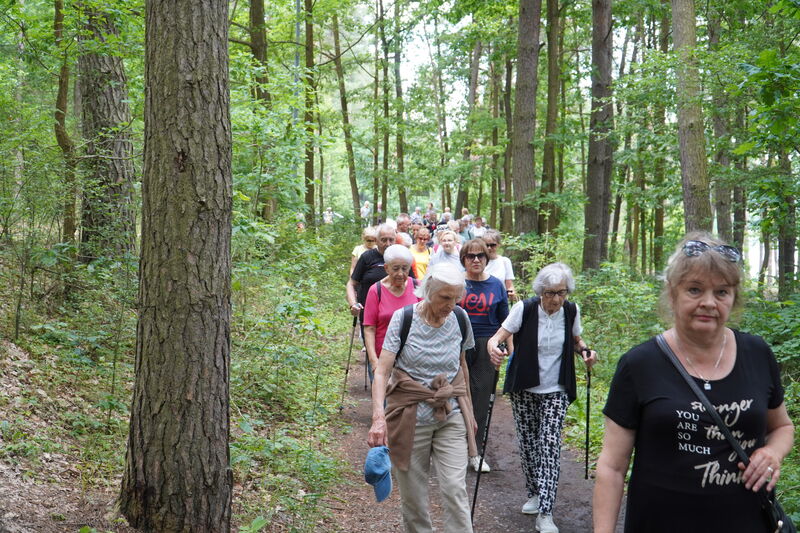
(723, 427)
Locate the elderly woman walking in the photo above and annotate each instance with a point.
(541, 380)
(428, 415)
(386, 296)
(486, 303)
(685, 475)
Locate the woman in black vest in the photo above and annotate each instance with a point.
(541, 380)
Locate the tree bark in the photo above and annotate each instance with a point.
(522, 157)
(548, 216)
(65, 142)
(108, 221)
(177, 475)
(659, 170)
(385, 100)
(598, 178)
(347, 128)
(507, 213)
(787, 232)
(691, 136)
(258, 46)
(722, 189)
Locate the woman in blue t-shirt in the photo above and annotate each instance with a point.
(685, 475)
(486, 303)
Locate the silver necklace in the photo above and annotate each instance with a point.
(706, 384)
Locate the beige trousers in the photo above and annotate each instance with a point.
(445, 445)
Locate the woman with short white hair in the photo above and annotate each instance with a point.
(385, 297)
(448, 250)
(541, 381)
(428, 414)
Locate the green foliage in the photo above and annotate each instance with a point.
(779, 324)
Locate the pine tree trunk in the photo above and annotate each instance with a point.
(522, 157)
(548, 218)
(722, 189)
(177, 475)
(108, 221)
(691, 134)
(258, 46)
(308, 115)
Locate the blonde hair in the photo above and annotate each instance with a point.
(709, 261)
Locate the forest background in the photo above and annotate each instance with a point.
(652, 118)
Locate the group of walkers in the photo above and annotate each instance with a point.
(439, 323)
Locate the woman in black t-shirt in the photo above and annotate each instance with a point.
(685, 475)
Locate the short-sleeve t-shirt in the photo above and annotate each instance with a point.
(379, 314)
(440, 256)
(486, 303)
(500, 267)
(368, 270)
(683, 466)
(421, 260)
(428, 352)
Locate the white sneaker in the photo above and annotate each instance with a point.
(544, 524)
(531, 506)
(475, 463)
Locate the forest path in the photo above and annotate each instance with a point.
(501, 493)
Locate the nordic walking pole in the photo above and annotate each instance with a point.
(588, 411)
(483, 442)
(347, 369)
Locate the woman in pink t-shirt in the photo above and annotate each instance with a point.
(385, 297)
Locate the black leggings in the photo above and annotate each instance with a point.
(481, 380)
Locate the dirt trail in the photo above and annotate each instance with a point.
(501, 493)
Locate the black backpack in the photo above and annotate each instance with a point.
(405, 325)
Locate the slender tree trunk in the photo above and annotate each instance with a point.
(474, 71)
(722, 189)
(376, 142)
(787, 232)
(739, 191)
(400, 110)
(346, 126)
(659, 171)
(65, 142)
(691, 135)
(495, 165)
(258, 46)
(386, 95)
(507, 214)
(177, 475)
(108, 222)
(598, 178)
(548, 218)
(522, 158)
(308, 116)
(762, 271)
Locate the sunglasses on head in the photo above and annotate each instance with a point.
(473, 257)
(695, 248)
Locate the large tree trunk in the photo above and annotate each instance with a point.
(346, 126)
(108, 222)
(65, 143)
(548, 217)
(525, 115)
(598, 178)
(691, 136)
(308, 115)
(177, 475)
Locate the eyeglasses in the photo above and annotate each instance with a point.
(491, 245)
(695, 248)
(473, 257)
(553, 294)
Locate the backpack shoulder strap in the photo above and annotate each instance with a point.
(378, 290)
(405, 327)
(461, 315)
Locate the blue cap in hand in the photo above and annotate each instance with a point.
(378, 471)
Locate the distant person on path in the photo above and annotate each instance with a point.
(428, 418)
(368, 270)
(447, 252)
(685, 474)
(478, 229)
(365, 212)
(416, 216)
(541, 381)
(421, 252)
(463, 230)
(369, 238)
(385, 297)
(486, 303)
(499, 266)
